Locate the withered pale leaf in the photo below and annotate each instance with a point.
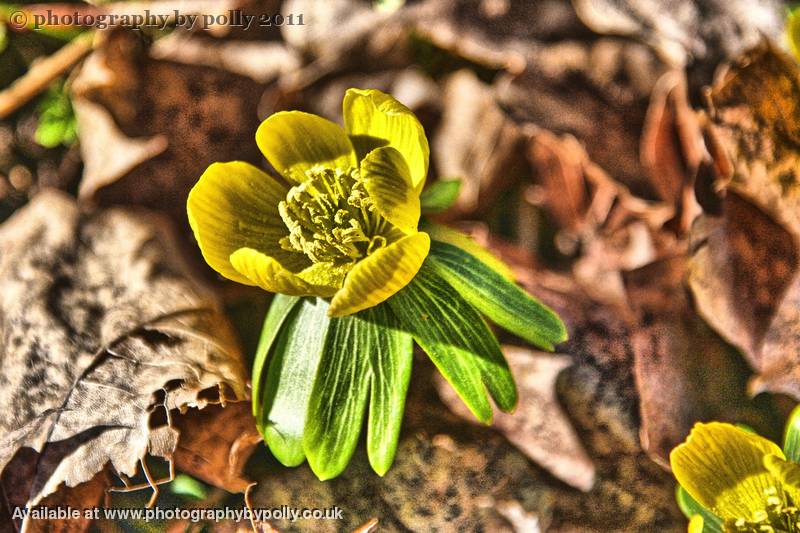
(477, 142)
(107, 153)
(683, 31)
(745, 257)
(102, 335)
(538, 427)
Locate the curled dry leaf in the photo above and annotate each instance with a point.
(614, 230)
(538, 427)
(672, 148)
(103, 337)
(215, 444)
(745, 258)
(107, 153)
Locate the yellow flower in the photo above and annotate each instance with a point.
(343, 225)
(740, 478)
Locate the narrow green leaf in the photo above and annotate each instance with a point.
(446, 234)
(791, 442)
(279, 309)
(690, 507)
(440, 196)
(339, 398)
(290, 379)
(501, 300)
(390, 365)
(457, 340)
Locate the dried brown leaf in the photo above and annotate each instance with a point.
(204, 115)
(103, 336)
(745, 258)
(215, 444)
(684, 372)
(595, 91)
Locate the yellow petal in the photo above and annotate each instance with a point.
(294, 142)
(381, 274)
(235, 205)
(722, 467)
(388, 182)
(786, 471)
(373, 119)
(268, 274)
(696, 524)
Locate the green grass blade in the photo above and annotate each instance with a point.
(457, 340)
(390, 366)
(339, 398)
(501, 300)
(290, 379)
(279, 309)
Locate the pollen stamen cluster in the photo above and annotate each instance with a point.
(780, 515)
(331, 218)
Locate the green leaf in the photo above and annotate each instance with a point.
(457, 340)
(56, 118)
(440, 196)
(390, 373)
(690, 507)
(498, 298)
(438, 232)
(184, 485)
(290, 378)
(50, 134)
(363, 353)
(278, 311)
(791, 441)
(339, 398)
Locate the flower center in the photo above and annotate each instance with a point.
(779, 516)
(331, 218)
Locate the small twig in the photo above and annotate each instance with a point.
(249, 506)
(368, 527)
(42, 73)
